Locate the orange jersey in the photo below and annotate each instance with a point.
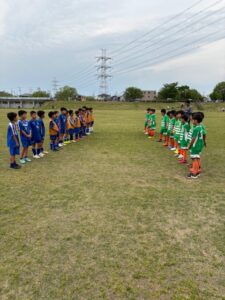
(53, 128)
(77, 123)
(69, 123)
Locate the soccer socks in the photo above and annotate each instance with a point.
(34, 151)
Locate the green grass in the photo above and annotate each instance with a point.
(114, 217)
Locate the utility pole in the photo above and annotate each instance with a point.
(103, 75)
(55, 86)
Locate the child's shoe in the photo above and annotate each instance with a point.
(45, 152)
(22, 161)
(36, 156)
(27, 159)
(41, 154)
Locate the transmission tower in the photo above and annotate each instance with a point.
(103, 75)
(55, 86)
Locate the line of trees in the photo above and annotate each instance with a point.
(170, 91)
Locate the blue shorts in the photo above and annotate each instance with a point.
(53, 138)
(76, 130)
(36, 141)
(25, 142)
(62, 130)
(71, 131)
(14, 151)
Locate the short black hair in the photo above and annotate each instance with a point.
(77, 112)
(40, 113)
(71, 112)
(202, 114)
(21, 113)
(11, 116)
(185, 117)
(51, 114)
(163, 111)
(198, 117)
(63, 109)
(32, 112)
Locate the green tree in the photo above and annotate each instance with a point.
(133, 93)
(169, 91)
(218, 92)
(66, 93)
(5, 94)
(195, 95)
(40, 94)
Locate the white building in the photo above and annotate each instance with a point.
(22, 102)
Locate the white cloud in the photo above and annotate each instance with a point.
(44, 38)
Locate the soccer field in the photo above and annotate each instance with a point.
(113, 217)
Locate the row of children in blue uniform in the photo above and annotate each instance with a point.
(64, 128)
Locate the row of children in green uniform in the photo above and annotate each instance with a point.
(180, 133)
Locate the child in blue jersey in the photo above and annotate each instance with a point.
(56, 120)
(13, 140)
(62, 125)
(25, 136)
(41, 115)
(36, 139)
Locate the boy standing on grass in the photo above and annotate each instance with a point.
(185, 127)
(13, 140)
(41, 115)
(169, 135)
(177, 130)
(146, 121)
(36, 140)
(152, 123)
(53, 131)
(77, 126)
(196, 146)
(92, 120)
(70, 125)
(25, 136)
(62, 125)
(164, 125)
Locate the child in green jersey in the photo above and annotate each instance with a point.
(196, 145)
(164, 125)
(170, 136)
(146, 121)
(152, 124)
(185, 127)
(177, 130)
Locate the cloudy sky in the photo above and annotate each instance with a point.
(151, 43)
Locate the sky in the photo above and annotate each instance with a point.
(150, 43)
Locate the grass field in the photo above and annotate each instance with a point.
(114, 217)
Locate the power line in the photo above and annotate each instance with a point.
(166, 43)
(152, 44)
(155, 28)
(139, 65)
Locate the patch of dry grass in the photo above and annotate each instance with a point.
(113, 217)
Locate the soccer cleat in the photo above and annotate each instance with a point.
(15, 167)
(176, 151)
(23, 161)
(173, 149)
(28, 159)
(192, 176)
(60, 145)
(146, 133)
(36, 156)
(182, 161)
(41, 154)
(180, 156)
(45, 152)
